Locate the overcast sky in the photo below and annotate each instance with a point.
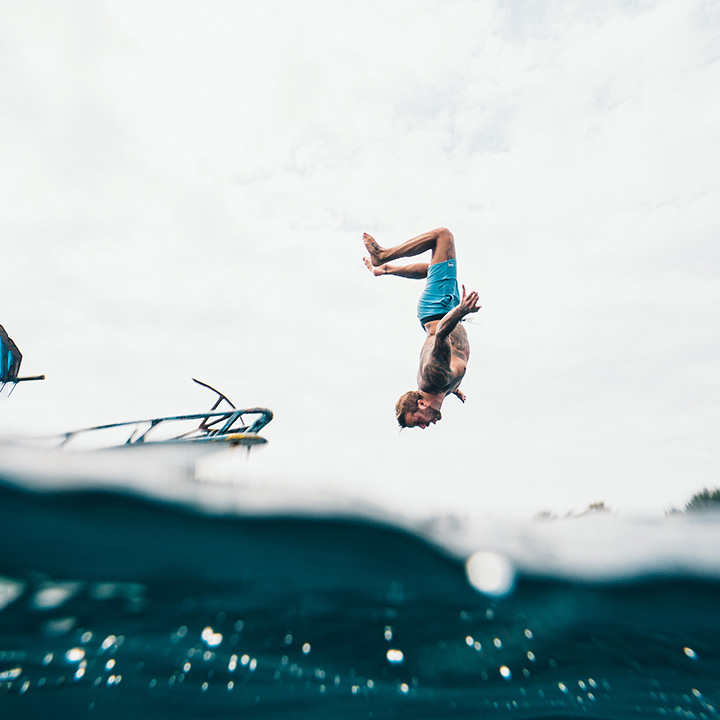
(185, 186)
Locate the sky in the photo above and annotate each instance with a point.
(185, 186)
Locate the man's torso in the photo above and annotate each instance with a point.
(442, 368)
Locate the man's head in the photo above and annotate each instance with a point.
(413, 410)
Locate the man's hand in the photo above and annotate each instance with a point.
(460, 394)
(469, 303)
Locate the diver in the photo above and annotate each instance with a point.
(445, 352)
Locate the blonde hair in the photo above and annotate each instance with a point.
(405, 404)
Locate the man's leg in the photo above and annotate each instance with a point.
(416, 271)
(440, 241)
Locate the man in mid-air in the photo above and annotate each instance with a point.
(445, 352)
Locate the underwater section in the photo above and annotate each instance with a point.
(116, 606)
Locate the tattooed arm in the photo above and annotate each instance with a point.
(468, 304)
(446, 351)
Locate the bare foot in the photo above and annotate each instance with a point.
(374, 249)
(374, 270)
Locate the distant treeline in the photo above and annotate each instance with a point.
(596, 507)
(705, 500)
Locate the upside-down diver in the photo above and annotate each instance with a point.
(445, 352)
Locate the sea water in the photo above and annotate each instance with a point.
(208, 603)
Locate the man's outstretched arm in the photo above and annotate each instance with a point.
(468, 304)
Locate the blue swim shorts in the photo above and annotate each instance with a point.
(441, 292)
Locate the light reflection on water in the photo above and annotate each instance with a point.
(473, 651)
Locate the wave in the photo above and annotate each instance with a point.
(154, 594)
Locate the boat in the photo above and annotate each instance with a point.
(228, 427)
(136, 455)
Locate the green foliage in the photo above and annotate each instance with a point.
(704, 500)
